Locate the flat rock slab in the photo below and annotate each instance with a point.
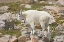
(34, 39)
(4, 39)
(13, 39)
(23, 38)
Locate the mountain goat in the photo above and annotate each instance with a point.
(34, 17)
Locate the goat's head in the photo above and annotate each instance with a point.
(22, 15)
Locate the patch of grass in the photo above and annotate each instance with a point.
(16, 22)
(11, 32)
(35, 6)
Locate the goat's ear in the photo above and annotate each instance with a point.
(20, 12)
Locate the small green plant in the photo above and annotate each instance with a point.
(16, 22)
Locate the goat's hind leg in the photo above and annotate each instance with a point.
(42, 25)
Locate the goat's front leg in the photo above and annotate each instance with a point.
(47, 26)
(33, 27)
(48, 29)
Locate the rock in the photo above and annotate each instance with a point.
(43, 34)
(23, 38)
(63, 24)
(5, 38)
(60, 27)
(8, 38)
(59, 38)
(50, 2)
(4, 8)
(13, 39)
(34, 39)
(2, 24)
(17, 27)
(25, 31)
(42, 2)
(46, 39)
(27, 6)
(6, 16)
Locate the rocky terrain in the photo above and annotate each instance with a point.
(21, 32)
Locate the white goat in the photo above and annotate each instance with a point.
(34, 17)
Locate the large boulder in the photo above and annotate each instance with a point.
(2, 24)
(47, 34)
(42, 2)
(22, 5)
(25, 31)
(4, 8)
(42, 34)
(5, 38)
(34, 38)
(0, 34)
(27, 6)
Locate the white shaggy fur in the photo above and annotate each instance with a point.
(34, 17)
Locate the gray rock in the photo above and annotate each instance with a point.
(22, 5)
(59, 38)
(0, 34)
(25, 31)
(7, 36)
(13, 39)
(47, 35)
(60, 27)
(42, 2)
(63, 24)
(35, 0)
(4, 8)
